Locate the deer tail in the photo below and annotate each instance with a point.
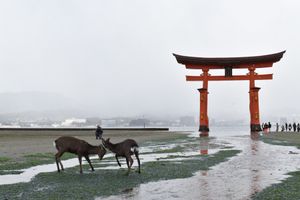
(54, 144)
(136, 153)
(135, 149)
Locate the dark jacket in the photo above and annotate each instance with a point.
(99, 131)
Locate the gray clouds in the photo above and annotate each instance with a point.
(115, 57)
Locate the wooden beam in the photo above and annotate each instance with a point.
(232, 78)
(243, 66)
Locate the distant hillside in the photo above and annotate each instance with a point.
(35, 105)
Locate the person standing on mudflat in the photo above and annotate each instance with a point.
(294, 127)
(98, 132)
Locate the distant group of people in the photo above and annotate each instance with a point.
(289, 127)
(266, 127)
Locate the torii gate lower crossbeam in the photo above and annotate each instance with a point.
(250, 63)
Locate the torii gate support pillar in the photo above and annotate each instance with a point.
(204, 123)
(254, 110)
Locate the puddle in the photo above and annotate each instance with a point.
(29, 173)
(258, 166)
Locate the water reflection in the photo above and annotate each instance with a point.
(203, 134)
(204, 186)
(258, 166)
(204, 144)
(254, 157)
(255, 135)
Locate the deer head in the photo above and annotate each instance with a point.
(106, 142)
(101, 152)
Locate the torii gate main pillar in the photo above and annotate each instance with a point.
(203, 119)
(254, 110)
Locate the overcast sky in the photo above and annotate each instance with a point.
(114, 58)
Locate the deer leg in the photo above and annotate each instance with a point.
(80, 161)
(58, 170)
(127, 161)
(136, 153)
(57, 159)
(89, 161)
(117, 160)
(61, 165)
(130, 161)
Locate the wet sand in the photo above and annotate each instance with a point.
(290, 137)
(258, 166)
(15, 144)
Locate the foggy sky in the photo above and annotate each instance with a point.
(114, 58)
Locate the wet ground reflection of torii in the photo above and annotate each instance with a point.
(204, 144)
(255, 173)
(254, 178)
(203, 183)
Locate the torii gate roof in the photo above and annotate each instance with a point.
(234, 62)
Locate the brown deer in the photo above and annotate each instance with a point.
(76, 146)
(124, 149)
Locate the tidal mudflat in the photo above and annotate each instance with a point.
(231, 165)
(164, 159)
(246, 175)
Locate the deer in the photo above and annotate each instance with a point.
(76, 146)
(124, 149)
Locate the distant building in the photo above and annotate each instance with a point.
(93, 121)
(139, 122)
(108, 122)
(187, 121)
(73, 122)
(115, 122)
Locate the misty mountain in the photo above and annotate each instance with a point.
(35, 104)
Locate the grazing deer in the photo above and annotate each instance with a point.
(124, 149)
(76, 146)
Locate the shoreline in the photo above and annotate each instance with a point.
(16, 144)
(84, 129)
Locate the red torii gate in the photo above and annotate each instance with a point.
(229, 63)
